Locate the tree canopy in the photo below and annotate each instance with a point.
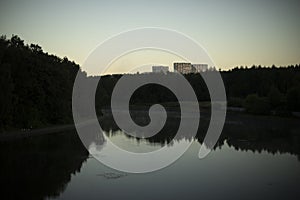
(37, 87)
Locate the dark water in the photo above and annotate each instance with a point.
(255, 158)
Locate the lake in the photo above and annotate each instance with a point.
(256, 157)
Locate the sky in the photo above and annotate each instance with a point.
(233, 32)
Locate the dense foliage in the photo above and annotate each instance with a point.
(260, 90)
(37, 87)
(268, 88)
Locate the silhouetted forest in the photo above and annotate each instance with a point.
(37, 87)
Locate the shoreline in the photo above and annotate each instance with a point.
(231, 116)
(20, 134)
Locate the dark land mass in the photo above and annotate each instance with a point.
(37, 88)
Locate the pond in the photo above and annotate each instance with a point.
(255, 158)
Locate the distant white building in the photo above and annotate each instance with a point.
(160, 69)
(200, 68)
(186, 68)
(183, 68)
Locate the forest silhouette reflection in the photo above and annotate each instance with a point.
(42, 166)
(242, 132)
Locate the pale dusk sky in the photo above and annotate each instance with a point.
(234, 32)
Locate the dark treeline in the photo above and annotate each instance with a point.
(260, 90)
(37, 87)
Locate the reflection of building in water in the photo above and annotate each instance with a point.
(186, 68)
(160, 69)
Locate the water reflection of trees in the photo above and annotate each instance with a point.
(242, 132)
(40, 167)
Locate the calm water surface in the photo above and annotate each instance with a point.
(261, 162)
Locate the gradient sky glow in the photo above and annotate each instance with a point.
(234, 32)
